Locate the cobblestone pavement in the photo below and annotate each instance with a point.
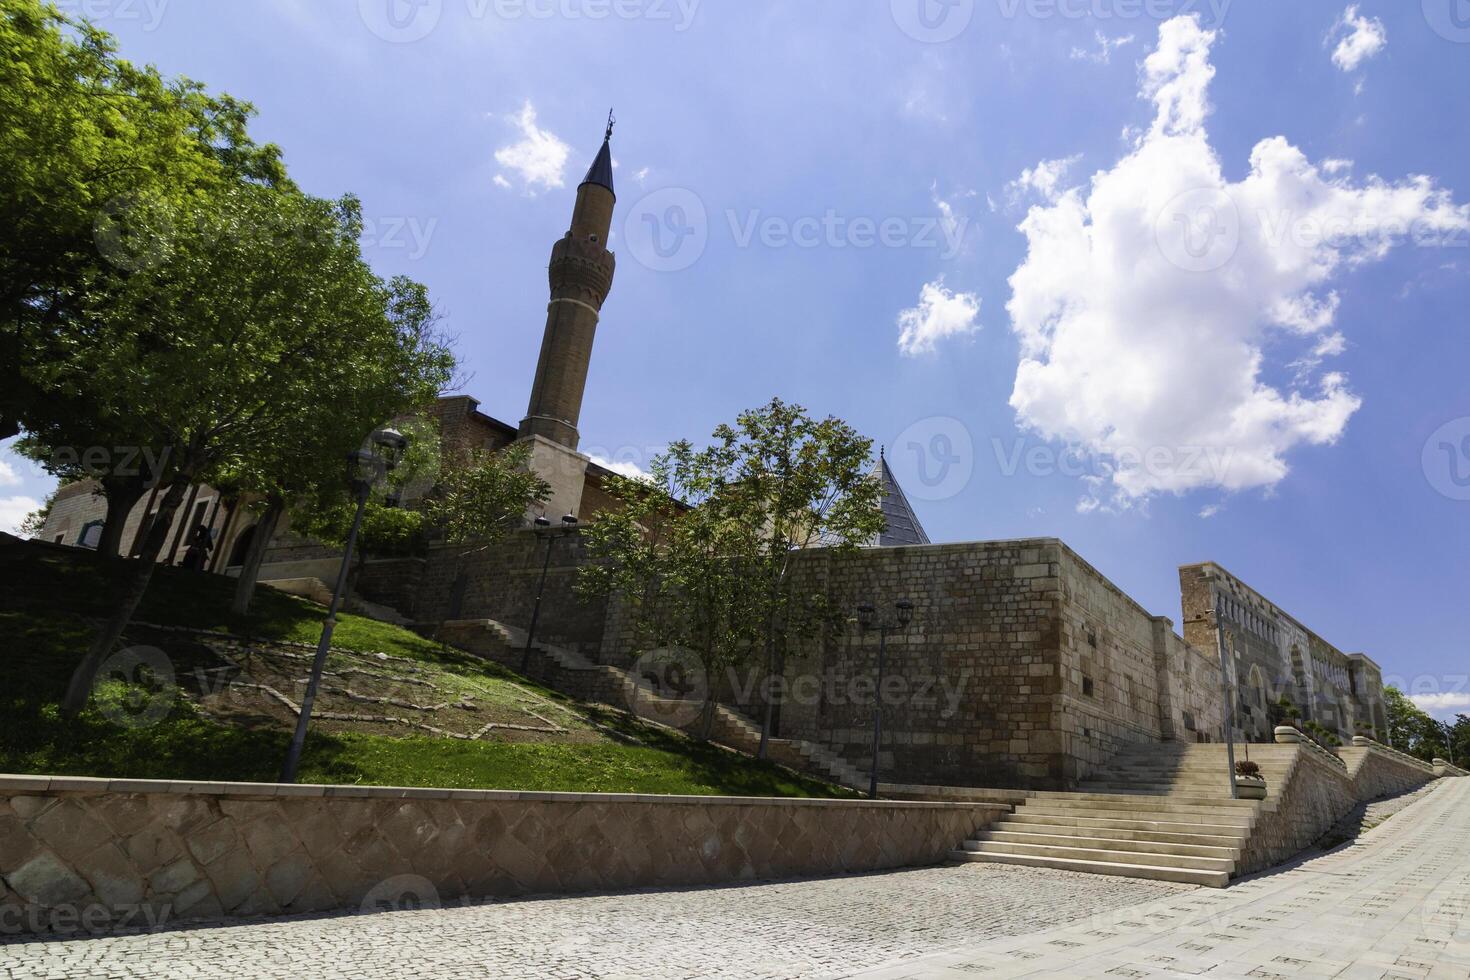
(812, 928)
(1394, 904)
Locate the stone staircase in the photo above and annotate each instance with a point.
(572, 673)
(1161, 811)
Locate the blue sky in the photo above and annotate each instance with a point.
(1170, 281)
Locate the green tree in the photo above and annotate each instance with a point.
(92, 148)
(803, 482)
(679, 551)
(481, 496)
(1410, 728)
(308, 477)
(260, 323)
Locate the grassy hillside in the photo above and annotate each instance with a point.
(228, 714)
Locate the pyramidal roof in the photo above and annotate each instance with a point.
(601, 171)
(901, 524)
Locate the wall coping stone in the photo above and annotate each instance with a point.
(96, 786)
(1363, 742)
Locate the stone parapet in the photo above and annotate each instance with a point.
(98, 853)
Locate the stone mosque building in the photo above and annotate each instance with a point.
(1024, 665)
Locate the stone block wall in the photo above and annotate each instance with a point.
(1377, 771)
(1316, 793)
(969, 686)
(97, 853)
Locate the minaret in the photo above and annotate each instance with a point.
(581, 274)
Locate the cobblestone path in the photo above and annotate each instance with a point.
(1394, 904)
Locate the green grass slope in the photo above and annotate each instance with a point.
(51, 599)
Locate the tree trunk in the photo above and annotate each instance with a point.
(79, 690)
(255, 556)
(122, 495)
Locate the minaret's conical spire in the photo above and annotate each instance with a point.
(601, 171)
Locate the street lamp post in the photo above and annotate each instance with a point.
(568, 523)
(364, 469)
(1227, 694)
(867, 619)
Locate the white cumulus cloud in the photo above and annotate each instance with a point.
(1358, 39)
(1105, 47)
(8, 476)
(623, 467)
(1045, 180)
(13, 510)
(1158, 307)
(539, 159)
(1442, 704)
(941, 313)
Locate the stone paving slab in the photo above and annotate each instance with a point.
(1394, 904)
(810, 928)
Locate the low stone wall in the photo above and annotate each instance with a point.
(1315, 794)
(97, 854)
(1378, 771)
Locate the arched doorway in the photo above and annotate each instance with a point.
(241, 547)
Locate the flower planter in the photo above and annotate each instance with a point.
(1250, 787)
(1288, 735)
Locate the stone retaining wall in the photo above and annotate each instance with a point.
(1322, 787)
(1378, 771)
(98, 854)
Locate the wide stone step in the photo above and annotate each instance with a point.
(1225, 816)
(1203, 802)
(1103, 854)
(1135, 822)
(1211, 791)
(1086, 840)
(1010, 825)
(1190, 876)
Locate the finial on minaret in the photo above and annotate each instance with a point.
(601, 171)
(611, 122)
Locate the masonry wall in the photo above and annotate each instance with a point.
(970, 683)
(100, 851)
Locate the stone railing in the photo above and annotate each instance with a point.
(1443, 768)
(1287, 735)
(1363, 742)
(1378, 770)
(99, 854)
